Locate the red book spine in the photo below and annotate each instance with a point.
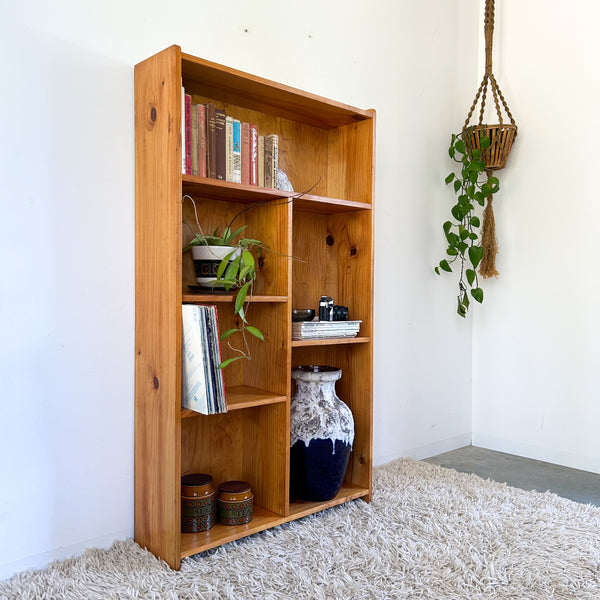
(188, 133)
(246, 153)
(202, 172)
(253, 155)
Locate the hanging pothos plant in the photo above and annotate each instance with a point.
(472, 186)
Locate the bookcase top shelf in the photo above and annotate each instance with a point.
(215, 189)
(236, 87)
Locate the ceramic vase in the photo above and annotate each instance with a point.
(206, 263)
(321, 434)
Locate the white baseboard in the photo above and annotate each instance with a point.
(550, 455)
(421, 452)
(41, 561)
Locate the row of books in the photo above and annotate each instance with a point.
(218, 146)
(203, 387)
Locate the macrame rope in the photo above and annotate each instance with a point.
(501, 136)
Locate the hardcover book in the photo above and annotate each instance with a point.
(246, 153)
(253, 155)
(220, 143)
(211, 140)
(201, 139)
(237, 151)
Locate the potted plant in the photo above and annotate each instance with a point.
(472, 185)
(225, 261)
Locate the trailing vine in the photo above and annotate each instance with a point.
(464, 248)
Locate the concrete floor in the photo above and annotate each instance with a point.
(523, 473)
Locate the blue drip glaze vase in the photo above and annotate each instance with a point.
(321, 434)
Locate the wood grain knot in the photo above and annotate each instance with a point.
(261, 261)
(152, 115)
(329, 240)
(353, 251)
(362, 460)
(155, 381)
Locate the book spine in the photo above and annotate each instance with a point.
(188, 134)
(220, 141)
(261, 160)
(194, 136)
(253, 155)
(246, 153)
(202, 140)
(183, 130)
(211, 140)
(269, 141)
(275, 162)
(229, 148)
(237, 151)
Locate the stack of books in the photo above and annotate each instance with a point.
(203, 387)
(317, 330)
(219, 146)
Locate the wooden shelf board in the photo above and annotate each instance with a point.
(214, 80)
(215, 189)
(330, 341)
(192, 543)
(348, 492)
(243, 396)
(208, 298)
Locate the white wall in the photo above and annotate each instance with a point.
(67, 242)
(536, 341)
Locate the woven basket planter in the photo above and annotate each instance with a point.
(501, 137)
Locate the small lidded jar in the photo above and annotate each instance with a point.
(235, 503)
(197, 503)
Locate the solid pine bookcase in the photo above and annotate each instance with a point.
(320, 244)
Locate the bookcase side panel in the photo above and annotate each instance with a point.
(158, 304)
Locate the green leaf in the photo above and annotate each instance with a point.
(461, 310)
(487, 189)
(449, 178)
(475, 222)
(473, 236)
(462, 247)
(245, 271)
(470, 276)
(447, 226)
(445, 266)
(457, 212)
(227, 333)
(477, 293)
(475, 255)
(494, 181)
(464, 233)
(476, 154)
(228, 236)
(247, 258)
(437, 270)
(223, 264)
(452, 251)
(232, 269)
(229, 361)
(255, 332)
(451, 151)
(241, 297)
(460, 146)
(485, 142)
(456, 185)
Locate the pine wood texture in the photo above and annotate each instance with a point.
(158, 304)
(319, 240)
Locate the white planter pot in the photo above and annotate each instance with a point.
(206, 263)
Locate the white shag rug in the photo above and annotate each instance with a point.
(430, 533)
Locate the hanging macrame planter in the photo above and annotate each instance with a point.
(501, 135)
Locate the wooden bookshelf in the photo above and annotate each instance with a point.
(321, 243)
